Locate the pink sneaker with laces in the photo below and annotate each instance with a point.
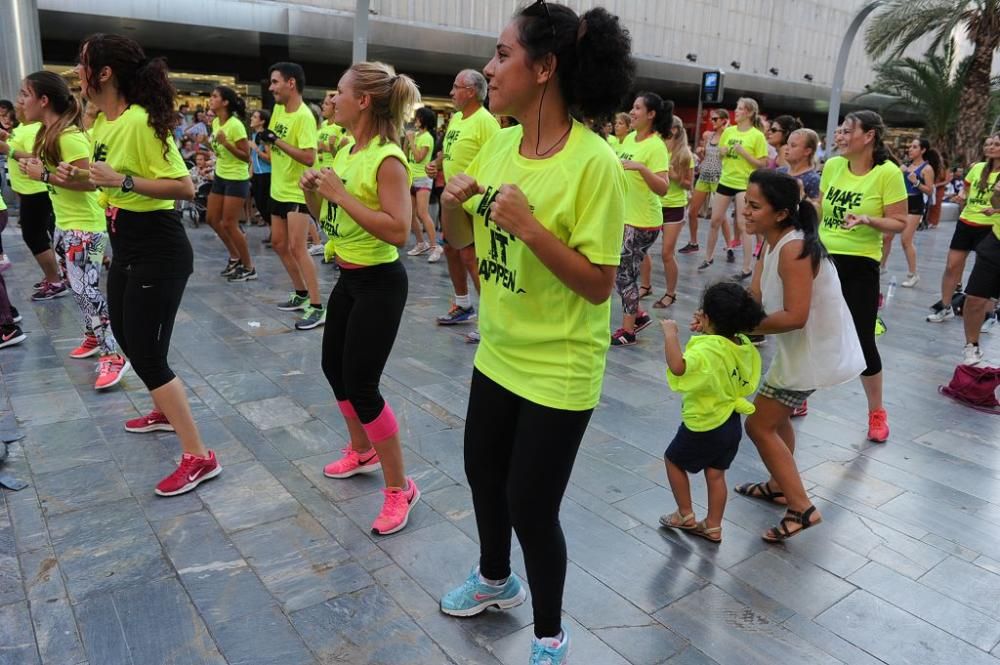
(396, 509)
(878, 426)
(151, 422)
(353, 463)
(110, 371)
(191, 472)
(88, 347)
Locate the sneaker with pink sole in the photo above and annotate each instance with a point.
(154, 421)
(353, 463)
(396, 508)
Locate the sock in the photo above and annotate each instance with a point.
(496, 583)
(315, 305)
(464, 302)
(302, 294)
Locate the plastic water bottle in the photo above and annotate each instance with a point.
(892, 288)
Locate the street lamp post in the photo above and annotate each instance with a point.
(360, 51)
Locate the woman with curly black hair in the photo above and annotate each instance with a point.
(542, 249)
(137, 165)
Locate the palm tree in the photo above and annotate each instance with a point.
(931, 87)
(904, 22)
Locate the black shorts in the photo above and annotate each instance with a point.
(714, 449)
(728, 191)
(967, 236)
(282, 208)
(236, 188)
(985, 278)
(673, 215)
(915, 204)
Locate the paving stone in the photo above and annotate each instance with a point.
(17, 646)
(30, 531)
(261, 637)
(955, 578)
(642, 644)
(894, 636)
(273, 412)
(80, 487)
(64, 445)
(246, 495)
(365, 627)
(853, 482)
(595, 606)
(306, 439)
(299, 562)
(237, 387)
(586, 649)
(785, 578)
(50, 407)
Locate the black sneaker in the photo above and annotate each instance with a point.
(11, 335)
(243, 275)
(742, 276)
(730, 256)
(230, 269)
(689, 248)
(706, 264)
(311, 318)
(642, 321)
(295, 302)
(16, 315)
(622, 337)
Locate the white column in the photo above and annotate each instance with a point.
(360, 51)
(838, 74)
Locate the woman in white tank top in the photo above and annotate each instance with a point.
(817, 345)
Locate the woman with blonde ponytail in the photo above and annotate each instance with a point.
(363, 203)
(80, 237)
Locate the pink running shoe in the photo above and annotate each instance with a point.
(191, 472)
(353, 463)
(878, 426)
(396, 509)
(151, 422)
(110, 371)
(88, 347)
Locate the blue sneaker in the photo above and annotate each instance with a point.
(549, 651)
(474, 597)
(457, 315)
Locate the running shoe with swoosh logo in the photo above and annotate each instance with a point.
(475, 596)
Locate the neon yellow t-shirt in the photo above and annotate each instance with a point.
(422, 139)
(676, 196)
(735, 169)
(350, 242)
(464, 138)
(718, 377)
(642, 205)
(129, 146)
(540, 339)
(326, 131)
(298, 129)
(869, 194)
(228, 165)
(977, 200)
(22, 139)
(3, 204)
(75, 210)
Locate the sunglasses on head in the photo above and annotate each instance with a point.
(533, 11)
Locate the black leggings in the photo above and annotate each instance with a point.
(518, 458)
(859, 284)
(362, 319)
(260, 187)
(142, 313)
(38, 224)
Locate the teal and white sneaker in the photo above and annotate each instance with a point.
(474, 596)
(550, 651)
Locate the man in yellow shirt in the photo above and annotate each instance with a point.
(470, 127)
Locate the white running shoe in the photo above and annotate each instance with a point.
(989, 324)
(436, 253)
(418, 249)
(941, 315)
(971, 355)
(911, 280)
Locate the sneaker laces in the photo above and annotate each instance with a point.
(877, 419)
(539, 651)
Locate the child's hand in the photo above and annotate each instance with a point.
(669, 327)
(698, 321)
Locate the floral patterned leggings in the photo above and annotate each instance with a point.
(81, 254)
(634, 249)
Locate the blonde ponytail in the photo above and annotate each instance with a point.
(392, 97)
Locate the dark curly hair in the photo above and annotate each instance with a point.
(140, 80)
(593, 54)
(426, 118)
(731, 309)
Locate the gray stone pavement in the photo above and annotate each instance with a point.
(273, 563)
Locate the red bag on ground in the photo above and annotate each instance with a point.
(975, 386)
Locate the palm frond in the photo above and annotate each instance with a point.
(903, 22)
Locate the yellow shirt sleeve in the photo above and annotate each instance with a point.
(601, 200)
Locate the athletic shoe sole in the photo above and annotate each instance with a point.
(155, 427)
(406, 518)
(365, 468)
(470, 319)
(14, 340)
(118, 379)
(640, 328)
(49, 297)
(296, 308)
(190, 486)
(309, 326)
(80, 356)
(500, 604)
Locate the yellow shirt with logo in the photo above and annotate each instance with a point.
(352, 243)
(75, 210)
(22, 139)
(842, 192)
(642, 205)
(298, 129)
(977, 200)
(228, 165)
(130, 146)
(736, 169)
(539, 338)
(719, 375)
(423, 139)
(328, 130)
(464, 138)
(676, 196)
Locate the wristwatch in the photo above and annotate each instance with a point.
(127, 184)
(45, 177)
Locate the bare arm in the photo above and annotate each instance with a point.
(305, 156)
(894, 220)
(672, 348)
(797, 285)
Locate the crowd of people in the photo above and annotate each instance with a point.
(99, 187)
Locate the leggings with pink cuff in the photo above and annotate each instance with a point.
(362, 320)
